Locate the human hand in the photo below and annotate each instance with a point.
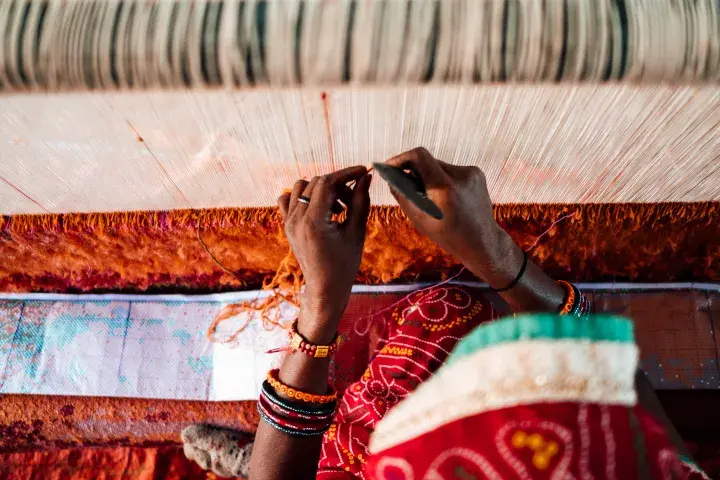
(467, 228)
(328, 252)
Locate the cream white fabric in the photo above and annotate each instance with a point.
(518, 373)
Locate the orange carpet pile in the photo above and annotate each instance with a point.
(226, 249)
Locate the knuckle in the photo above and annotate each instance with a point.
(420, 151)
(476, 172)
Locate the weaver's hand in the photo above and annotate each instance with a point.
(461, 193)
(328, 252)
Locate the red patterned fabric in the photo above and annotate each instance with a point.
(550, 440)
(542, 441)
(421, 332)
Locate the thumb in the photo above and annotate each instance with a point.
(424, 164)
(359, 207)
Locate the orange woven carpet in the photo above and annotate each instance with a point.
(37, 422)
(103, 463)
(215, 250)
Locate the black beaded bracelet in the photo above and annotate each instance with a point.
(272, 396)
(517, 279)
(577, 308)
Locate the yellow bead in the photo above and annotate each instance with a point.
(542, 462)
(535, 441)
(551, 448)
(519, 439)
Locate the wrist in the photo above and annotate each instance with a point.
(318, 320)
(495, 256)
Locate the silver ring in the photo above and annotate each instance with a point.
(304, 199)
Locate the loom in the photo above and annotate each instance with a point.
(143, 146)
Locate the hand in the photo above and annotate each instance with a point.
(329, 252)
(467, 227)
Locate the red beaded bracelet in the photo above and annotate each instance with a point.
(310, 422)
(292, 426)
(298, 342)
(569, 298)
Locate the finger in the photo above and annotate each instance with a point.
(344, 194)
(325, 192)
(422, 163)
(359, 206)
(297, 190)
(284, 205)
(346, 175)
(302, 207)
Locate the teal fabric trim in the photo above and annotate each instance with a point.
(689, 461)
(545, 326)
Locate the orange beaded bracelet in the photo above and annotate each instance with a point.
(295, 394)
(298, 342)
(569, 299)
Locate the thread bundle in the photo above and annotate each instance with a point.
(135, 44)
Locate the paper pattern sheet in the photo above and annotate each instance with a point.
(132, 346)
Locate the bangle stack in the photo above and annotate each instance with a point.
(575, 303)
(301, 418)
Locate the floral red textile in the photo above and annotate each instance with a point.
(558, 439)
(422, 331)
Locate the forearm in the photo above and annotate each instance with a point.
(277, 455)
(498, 260)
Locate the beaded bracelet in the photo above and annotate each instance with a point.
(274, 381)
(299, 343)
(576, 303)
(569, 298)
(586, 308)
(294, 433)
(300, 409)
(302, 425)
(280, 409)
(582, 304)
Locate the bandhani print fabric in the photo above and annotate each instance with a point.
(533, 396)
(421, 332)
